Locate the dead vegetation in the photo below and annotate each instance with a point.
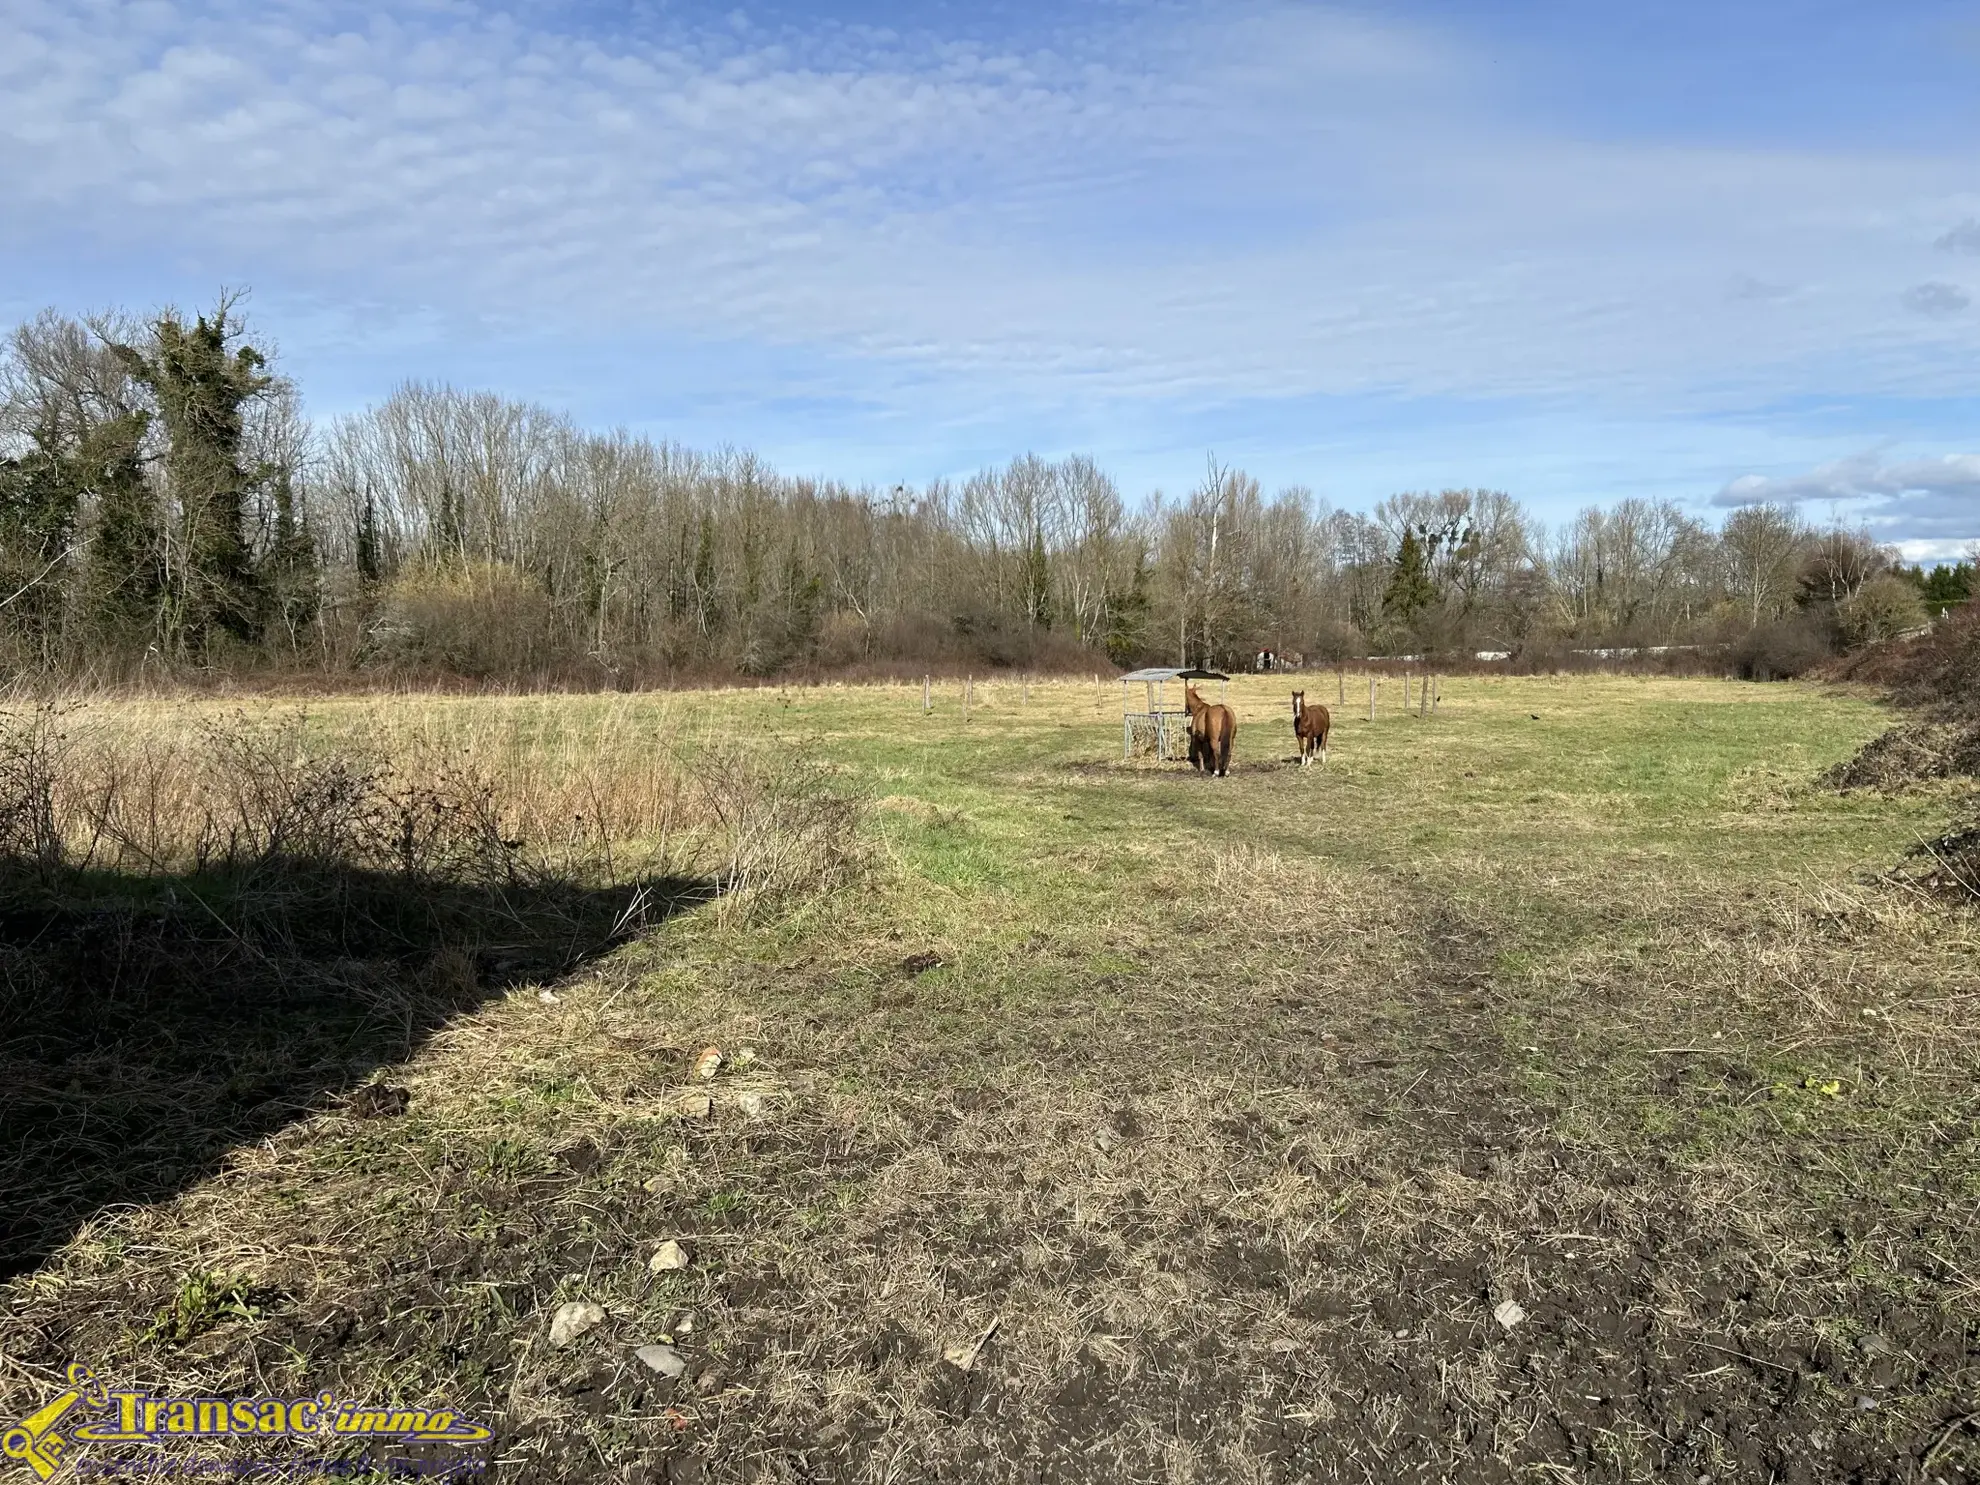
(1910, 754)
(235, 795)
(1948, 865)
(215, 928)
(1937, 676)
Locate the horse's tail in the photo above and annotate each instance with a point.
(1224, 742)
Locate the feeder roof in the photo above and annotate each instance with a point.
(1159, 673)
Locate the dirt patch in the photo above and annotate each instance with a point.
(1171, 768)
(1302, 1276)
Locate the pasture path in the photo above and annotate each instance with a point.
(1233, 1113)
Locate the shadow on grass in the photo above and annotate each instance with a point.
(149, 1025)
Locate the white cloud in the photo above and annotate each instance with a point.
(1080, 219)
(1144, 220)
(1932, 500)
(1930, 552)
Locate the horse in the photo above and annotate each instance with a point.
(1311, 724)
(1212, 729)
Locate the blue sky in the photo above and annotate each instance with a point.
(1712, 252)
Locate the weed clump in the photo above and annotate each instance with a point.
(204, 1299)
(790, 830)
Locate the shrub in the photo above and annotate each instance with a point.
(1335, 641)
(844, 640)
(32, 754)
(788, 829)
(1942, 670)
(1881, 609)
(485, 619)
(1783, 649)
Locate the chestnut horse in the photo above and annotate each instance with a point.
(1212, 729)
(1311, 725)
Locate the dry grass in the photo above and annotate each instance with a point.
(151, 791)
(470, 793)
(1237, 1108)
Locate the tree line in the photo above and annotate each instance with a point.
(165, 507)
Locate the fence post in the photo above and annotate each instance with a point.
(1423, 697)
(1027, 688)
(969, 682)
(1371, 695)
(927, 697)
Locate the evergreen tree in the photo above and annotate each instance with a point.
(803, 598)
(1037, 583)
(1127, 616)
(288, 570)
(1410, 590)
(125, 564)
(40, 496)
(370, 555)
(1944, 586)
(201, 381)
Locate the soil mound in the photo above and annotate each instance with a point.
(1909, 754)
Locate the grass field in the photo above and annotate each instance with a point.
(1544, 1090)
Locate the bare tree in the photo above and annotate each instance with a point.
(1762, 545)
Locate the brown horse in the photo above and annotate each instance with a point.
(1212, 729)
(1311, 724)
